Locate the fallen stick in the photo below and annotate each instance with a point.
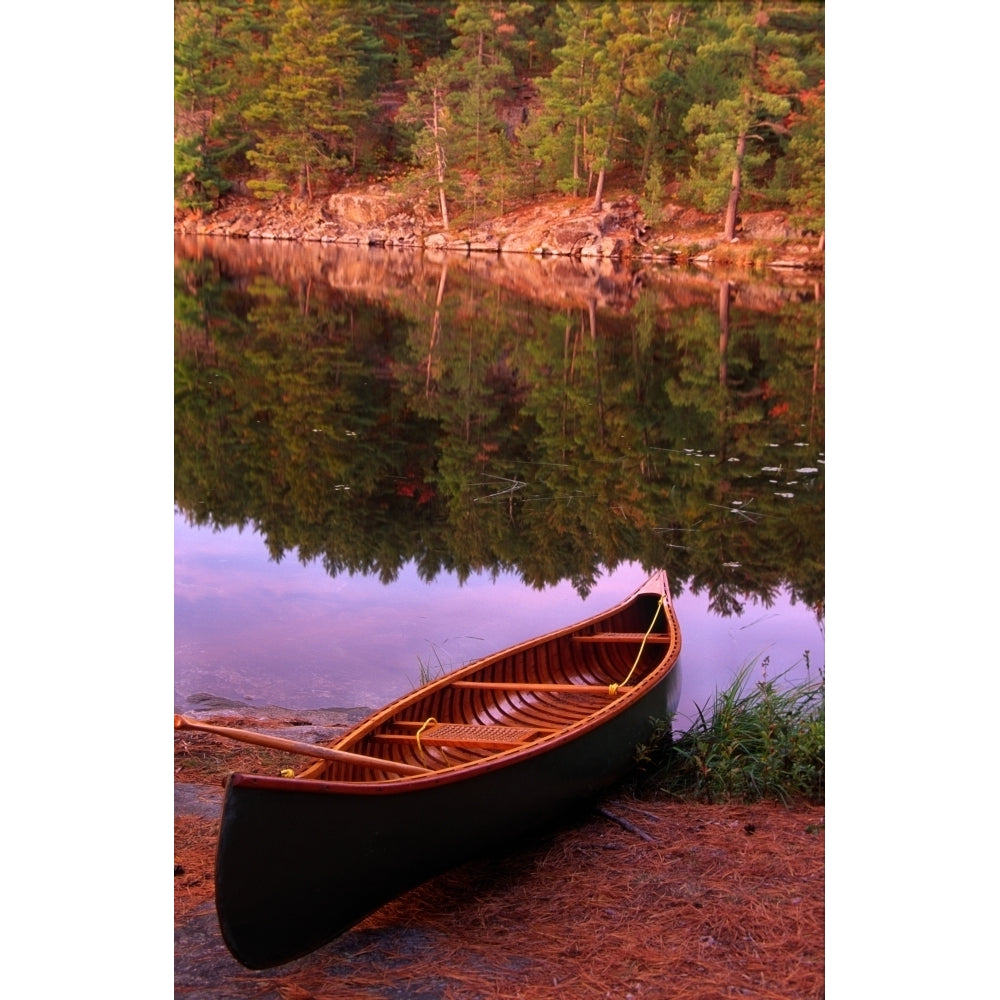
(625, 824)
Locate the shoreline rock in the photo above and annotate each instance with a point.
(559, 227)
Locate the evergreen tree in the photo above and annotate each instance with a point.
(800, 177)
(427, 108)
(462, 140)
(487, 34)
(410, 31)
(748, 72)
(214, 41)
(614, 90)
(626, 37)
(656, 84)
(481, 72)
(558, 135)
(313, 101)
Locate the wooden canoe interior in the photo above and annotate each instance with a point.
(511, 700)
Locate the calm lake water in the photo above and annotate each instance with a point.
(388, 464)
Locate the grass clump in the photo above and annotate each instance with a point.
(765, 741)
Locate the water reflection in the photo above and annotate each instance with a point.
(507, 451)
(262, 633)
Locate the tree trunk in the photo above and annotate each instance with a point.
(579, 136)
(724, 333)
(592, 313)
(443, 201)
(440, 165)
(577, 143)
(599, 193)
(435, 326)
(734, 189)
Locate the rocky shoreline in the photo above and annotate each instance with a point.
(554, 226)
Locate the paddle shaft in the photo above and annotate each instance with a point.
(297, 746)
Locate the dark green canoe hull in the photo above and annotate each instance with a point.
(301, 862)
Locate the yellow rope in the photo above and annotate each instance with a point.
(613, 688)
(429, 722)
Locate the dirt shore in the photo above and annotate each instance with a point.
(643, 899)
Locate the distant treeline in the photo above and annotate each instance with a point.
(471, 106)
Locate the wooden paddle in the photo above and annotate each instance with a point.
(297, 746)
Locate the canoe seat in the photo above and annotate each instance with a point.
(448, 734)
(480, 734)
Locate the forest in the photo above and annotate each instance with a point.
(471, 107)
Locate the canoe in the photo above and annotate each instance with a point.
(458, 768)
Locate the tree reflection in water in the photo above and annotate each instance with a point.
(549, 421)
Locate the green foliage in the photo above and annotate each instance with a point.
(215, 42)
(767, 742)
(651, 200)
(461, 143)
(746, 72)
(196, 184)
(560, 133)
(313, 98)
(800, 176)
(409, 31)
(428, 109)
(284, 94)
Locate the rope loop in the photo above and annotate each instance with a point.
(613, 688)
(430, 722)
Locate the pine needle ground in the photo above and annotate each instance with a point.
(701, 901)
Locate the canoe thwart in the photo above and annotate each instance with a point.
(657, 637)
(531, 686)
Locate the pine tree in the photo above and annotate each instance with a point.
(606, 95)
(747, 73)
(626, 36)
(427, 107)
(214, 42)
(730, 92)
(656, 83)
(558, 135)
(409, 31)
(463, 142)
(481, 71)
(312, 104)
